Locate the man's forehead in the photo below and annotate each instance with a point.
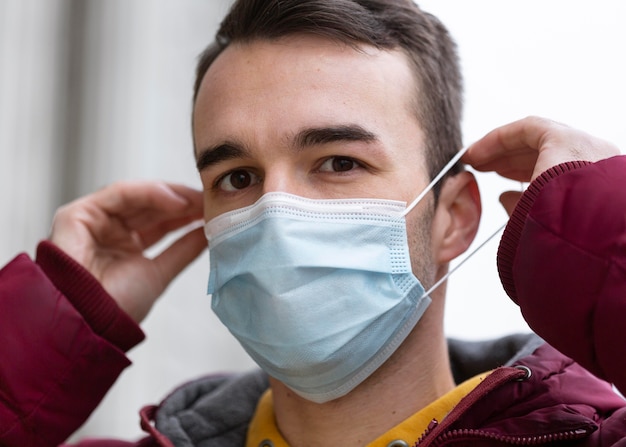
(314, 80)
(298, 54)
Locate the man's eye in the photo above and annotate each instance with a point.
(236, 180)
(338, 164)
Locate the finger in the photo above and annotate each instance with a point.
(516, 166)
(517, 138)
(113, 215)
(180, 254)
(130, 199)
(509, 200)
(142, 205)
(155, 233)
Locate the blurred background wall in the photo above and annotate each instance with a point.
(96, 91)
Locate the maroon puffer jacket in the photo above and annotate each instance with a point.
(562, 259)
(60, 351)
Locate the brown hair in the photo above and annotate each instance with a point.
(384, 24)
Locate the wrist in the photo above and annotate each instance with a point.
(88, 297)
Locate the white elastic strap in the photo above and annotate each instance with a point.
(445, 277)
(434, 181)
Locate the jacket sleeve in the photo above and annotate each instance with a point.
(63, 342)
(562, 259)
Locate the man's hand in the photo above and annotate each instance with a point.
(524, 149)
(107, 233)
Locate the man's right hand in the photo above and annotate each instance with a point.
(108, 232)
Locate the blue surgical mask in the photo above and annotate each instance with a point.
(320, 293)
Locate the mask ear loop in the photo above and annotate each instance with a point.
(435, 180)
(464, 260)
(475, 250)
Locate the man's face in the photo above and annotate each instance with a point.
(311, 117)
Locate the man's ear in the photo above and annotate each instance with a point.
(456, 218)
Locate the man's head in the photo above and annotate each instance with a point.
(383, 24)
(334, 100)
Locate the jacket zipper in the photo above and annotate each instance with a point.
(470, 434)
(436, 433)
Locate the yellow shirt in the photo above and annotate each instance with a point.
(263, 425)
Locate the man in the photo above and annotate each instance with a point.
(315, 124)
(286, 115)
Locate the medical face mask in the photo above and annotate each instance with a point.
(320, 293)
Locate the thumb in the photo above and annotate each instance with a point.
(509, 200)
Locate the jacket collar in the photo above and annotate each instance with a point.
(542, 398)
(215, 410)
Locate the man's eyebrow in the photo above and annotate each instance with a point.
(305, 138)
(222, 152)
(329, 134)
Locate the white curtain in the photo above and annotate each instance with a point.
(92, 92)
